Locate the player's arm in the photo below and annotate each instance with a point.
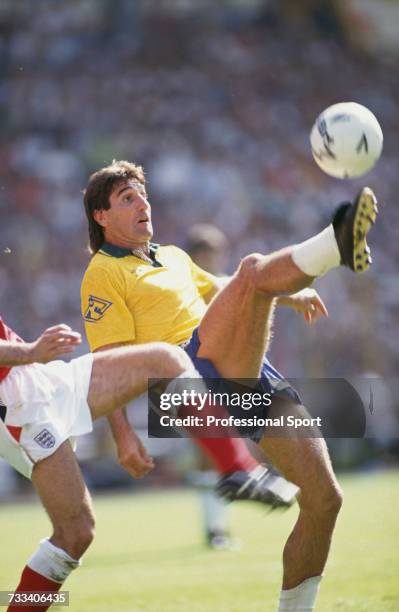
(52, 343)
(132, 455)
(308, 302)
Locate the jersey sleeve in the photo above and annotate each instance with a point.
(106, 317)
(205, 281)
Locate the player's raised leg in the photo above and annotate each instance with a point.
(64, 495)
(234, 330)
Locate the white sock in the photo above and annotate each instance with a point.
(214, 508)
(301, 597)
(52, 562)
(319, 254)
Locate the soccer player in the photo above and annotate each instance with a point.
(121, 304)
(45, 401)
(138, 292)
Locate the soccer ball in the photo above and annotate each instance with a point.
(346, 140)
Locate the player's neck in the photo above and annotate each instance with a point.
(143, 246)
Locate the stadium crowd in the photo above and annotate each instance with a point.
(218, 109)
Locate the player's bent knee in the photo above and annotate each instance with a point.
(172, 360)
(249, 265)
(248, 270)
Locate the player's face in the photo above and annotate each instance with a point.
(128, 220)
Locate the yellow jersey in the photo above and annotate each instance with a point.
(127, 299)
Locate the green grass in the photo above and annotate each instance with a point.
(148, 555)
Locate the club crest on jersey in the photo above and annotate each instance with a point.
(96, 309)
(45, 439)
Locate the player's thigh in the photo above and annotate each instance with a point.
(303, 458)
(121, 374)
(234, 330)
(61, 488)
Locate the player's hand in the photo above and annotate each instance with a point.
(309, 303)
(133, 456)
(54, 342)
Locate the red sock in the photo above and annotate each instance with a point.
(32, 581)
(228, 454)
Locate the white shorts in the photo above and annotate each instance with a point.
(46, 405)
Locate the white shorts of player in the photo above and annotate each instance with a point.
(49, 403)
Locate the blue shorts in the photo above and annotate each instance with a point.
(270, 381)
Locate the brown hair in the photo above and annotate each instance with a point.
(99, 188)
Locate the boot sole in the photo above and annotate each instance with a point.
(364, 219)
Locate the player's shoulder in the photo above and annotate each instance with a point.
(101, 261)
(101, 267)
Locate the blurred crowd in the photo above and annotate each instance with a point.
(216, 101)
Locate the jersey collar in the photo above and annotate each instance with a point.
(117, 251)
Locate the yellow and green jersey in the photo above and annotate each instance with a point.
(127, 299)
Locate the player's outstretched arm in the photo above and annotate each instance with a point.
(52, 343)
(308, 302)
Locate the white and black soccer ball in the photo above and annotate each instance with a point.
(346, 140)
